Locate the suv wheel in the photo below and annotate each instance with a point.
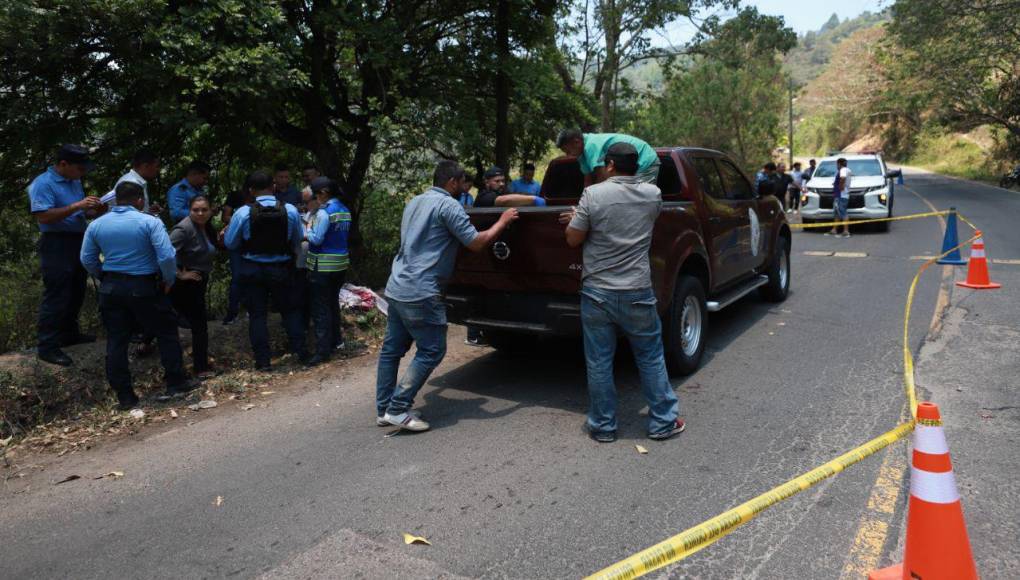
(779, 273)
(686, 325)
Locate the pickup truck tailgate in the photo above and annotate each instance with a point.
(530, 256)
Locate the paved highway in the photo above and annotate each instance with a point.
(508, 485)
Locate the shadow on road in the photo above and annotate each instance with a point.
(551, 374)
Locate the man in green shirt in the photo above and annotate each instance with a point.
(590, 150)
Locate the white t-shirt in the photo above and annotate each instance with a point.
(845, 174)
(110, 198)
(798, 178)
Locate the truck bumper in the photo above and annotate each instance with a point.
(862, 207)
(549, 315)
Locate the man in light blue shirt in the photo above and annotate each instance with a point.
(268, 233)
(433, 227)
(180, 195)
(526, 183)
(59, 205)
(137, 269)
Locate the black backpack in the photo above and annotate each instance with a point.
(269, 226)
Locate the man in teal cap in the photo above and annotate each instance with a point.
(590, 150)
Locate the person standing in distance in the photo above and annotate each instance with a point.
(526, 183)
(269, 234)
(145, 166)
(137, 271)
(180, 195)
(591, 148)
(613, 221)
(60, 206)
(434, 224)
(327, 265)
(841, 199)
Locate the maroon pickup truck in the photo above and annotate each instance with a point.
(715, 241)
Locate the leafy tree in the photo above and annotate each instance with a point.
(966, 56)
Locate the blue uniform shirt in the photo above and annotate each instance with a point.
(430, 230)
(239, 230)
(52, 190)
(178, 198)
(521, 186)
(131, 242)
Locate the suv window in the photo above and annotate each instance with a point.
(709, 178)
(736, 185)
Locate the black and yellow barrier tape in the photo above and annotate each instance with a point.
(708, 532)
(872, 220)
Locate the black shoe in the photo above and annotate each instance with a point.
(56, 357)
(78, 339)
(315, 360)
(677, 429)
(180, 389)
(603, 436)
(127, 404)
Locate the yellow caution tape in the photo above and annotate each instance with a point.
(704, 534)
(966, 221)
(873, 220)
(708, 532)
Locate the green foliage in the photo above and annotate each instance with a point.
(814, 49)
(950, 153)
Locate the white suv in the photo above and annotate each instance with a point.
(871, 189)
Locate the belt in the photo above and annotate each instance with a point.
(63, 234)
(123, 276)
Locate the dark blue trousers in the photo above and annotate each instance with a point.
(268, 285)
(326, 310)
(236, 294)
(127, 303)
(63, 289)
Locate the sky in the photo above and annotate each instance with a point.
(805, 15)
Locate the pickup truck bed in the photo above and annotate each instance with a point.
(707, 250)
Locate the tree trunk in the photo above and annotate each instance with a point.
(502, 84)
(611, 29)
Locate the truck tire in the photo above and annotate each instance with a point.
(779, 273)
(884, 226)
(686, 326)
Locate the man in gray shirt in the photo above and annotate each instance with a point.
(614, 221)
(434, 225)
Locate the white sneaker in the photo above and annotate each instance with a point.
(382, 422)
(407, 422)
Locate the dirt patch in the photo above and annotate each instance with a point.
(55, 410)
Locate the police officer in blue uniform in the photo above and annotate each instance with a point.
(60, 206)
(137, 270)
(327, 265)
(268, 232)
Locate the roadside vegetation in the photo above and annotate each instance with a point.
(932, 84)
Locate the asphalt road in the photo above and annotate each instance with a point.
(507, 485)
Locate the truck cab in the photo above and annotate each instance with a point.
(714, 241)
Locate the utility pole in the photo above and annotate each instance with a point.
(790, 135)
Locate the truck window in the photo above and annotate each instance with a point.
(563, 179)
(669, 178)
(736, 185)
(709, 178)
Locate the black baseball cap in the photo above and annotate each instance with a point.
(493, 172)
(323, 182)
(75, 155)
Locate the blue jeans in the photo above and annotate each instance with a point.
(268, 285)
(840, 207)
(633, 313)
(423, 323)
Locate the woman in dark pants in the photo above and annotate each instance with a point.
(194, 239)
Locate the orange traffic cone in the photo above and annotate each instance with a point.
(937, 544)
(977, 271)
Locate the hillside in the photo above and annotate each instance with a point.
(814, 50)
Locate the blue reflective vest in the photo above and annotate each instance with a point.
(331, 255)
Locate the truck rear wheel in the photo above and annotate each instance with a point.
(686, 325)
(779, 273)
